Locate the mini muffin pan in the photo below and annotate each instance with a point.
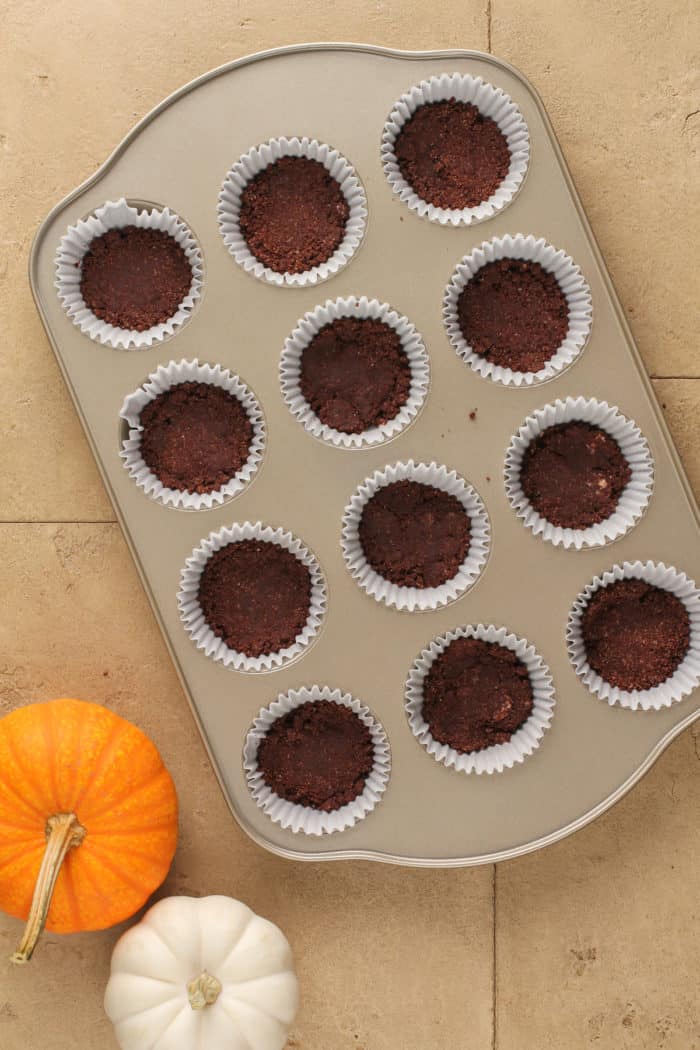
(177, 158)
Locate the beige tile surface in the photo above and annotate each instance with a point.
(621, 83)
(597, 937)
(597, 942)
(387, 957)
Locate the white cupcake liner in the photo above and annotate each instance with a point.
(500, 756)
(253, 162)
(633, 500)
(164, 378)
(570, 280)
(309, 326)
(416, 598)
(491, 102)
(191, 611)
(306, 819)
(75, 243)
(686, 676)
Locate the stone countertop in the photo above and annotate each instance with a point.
(590, 943)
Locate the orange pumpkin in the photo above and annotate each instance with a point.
(88, 818)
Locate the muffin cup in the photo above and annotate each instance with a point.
(309, 326)
(74, 245)
(491, 102)
(416, 598)
(255, 161)
(686, 676)
(634, 498)
(192, 615)
(570, 280)
(164, 378)
(306, 819)
(524, 741)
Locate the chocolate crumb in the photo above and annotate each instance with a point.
(451, 155)
(293, 215)
(320, 754)
(635, 634)
(573, 474)
(414, 535)
(135, 278)
(196, 437)
(476, 694)
(255, 595)
(355, 374)
(513, 313)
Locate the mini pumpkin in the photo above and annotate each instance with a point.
(202, 973)
(88, 818)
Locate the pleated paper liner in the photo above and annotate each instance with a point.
(306, 330)
(255, 161)
(570, 280)
(165, 378)
(76, 242)
(633, 500)
(193, 617)
(686, 676)
(306, 819)
(523, 742)
(491, 102)
(416, 598)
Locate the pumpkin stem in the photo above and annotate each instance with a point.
(203, 990)
(63, 831)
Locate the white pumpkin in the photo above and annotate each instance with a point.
(202, 974)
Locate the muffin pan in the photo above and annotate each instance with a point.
(177, 158)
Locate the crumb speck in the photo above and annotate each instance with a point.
(488, 477)
(472, 415)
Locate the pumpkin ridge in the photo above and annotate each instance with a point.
(14, 753)
(49, 733)
(235, 946)
(119, 830)
(119, 728)
(129, 791)
(69, 890)
(233, 997)
(98, 851)
(150, 858)
(227, 999)
(24, 853)
(171, 1022)
(77, 751)
(16, 826)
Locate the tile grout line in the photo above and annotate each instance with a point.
(494, 972)
(690, 378)
(71, 521)
(488, 25)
